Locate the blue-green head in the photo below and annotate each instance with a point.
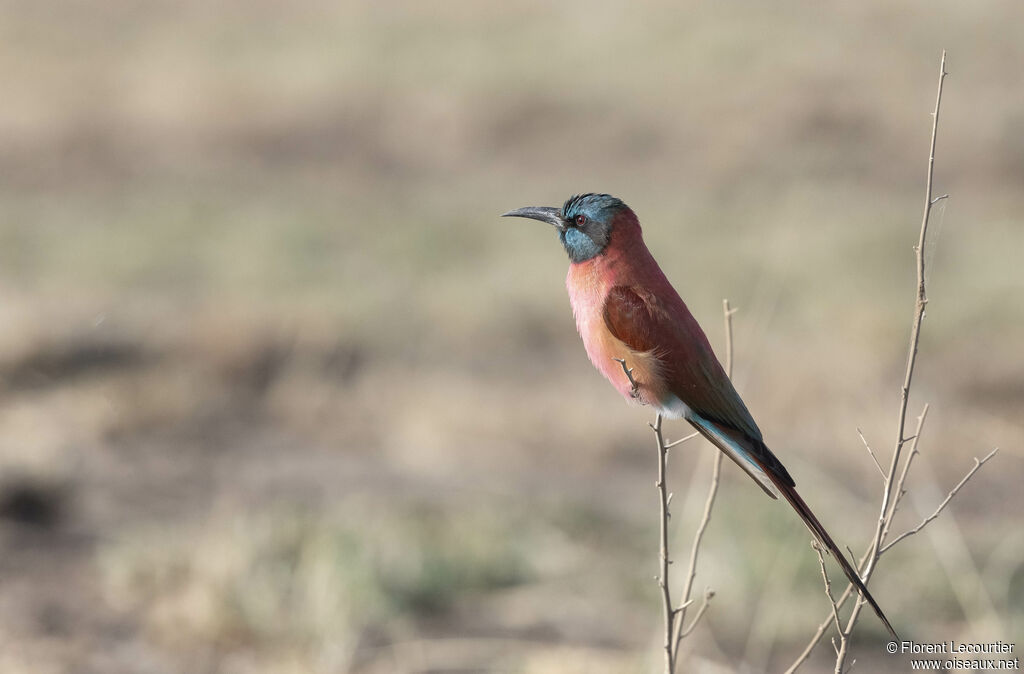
(585, 222)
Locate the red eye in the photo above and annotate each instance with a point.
(581, 219)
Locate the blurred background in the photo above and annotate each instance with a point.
(282, 393)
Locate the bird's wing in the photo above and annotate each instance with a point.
(631, 318)
(648, 322)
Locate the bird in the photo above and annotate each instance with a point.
(627, 312)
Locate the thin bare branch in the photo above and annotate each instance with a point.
(681, 440)
(978, 463)
(893, 490)
(635, 392)
(900, 490)
(868, 447)
(828, 586)
(684, 606)
(709, 503)
(727, 313)
(671, 617)
(839, 603)
(664, 499)
(708, 594)
(691, 571)
(915, 332)
(827, 620)
(894, 478)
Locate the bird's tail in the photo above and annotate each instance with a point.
(802, 509)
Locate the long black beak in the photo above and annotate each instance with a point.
(552, 216)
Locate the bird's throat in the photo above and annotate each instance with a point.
(579, 246)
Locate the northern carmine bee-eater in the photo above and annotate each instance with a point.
(627, 310)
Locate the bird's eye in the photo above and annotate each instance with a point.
(581, 220)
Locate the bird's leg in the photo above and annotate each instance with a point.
(635, 391)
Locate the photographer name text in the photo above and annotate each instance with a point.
(953, 647)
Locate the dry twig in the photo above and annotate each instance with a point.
(828, 586)
(870, 453)
(635, 392)
(665, 497)
(978, 463)
(895, 478)
(716, 475)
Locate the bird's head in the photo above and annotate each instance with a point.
(585, 223)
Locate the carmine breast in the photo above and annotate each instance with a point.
(588, 284)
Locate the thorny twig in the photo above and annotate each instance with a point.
(872, 454)
(681, 440)
(894, 485)
(978, 463)
(828, 585)
(716, 473)
(827, 620)
(635, 391)
(664, 497)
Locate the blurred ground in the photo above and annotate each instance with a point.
(280, 392)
